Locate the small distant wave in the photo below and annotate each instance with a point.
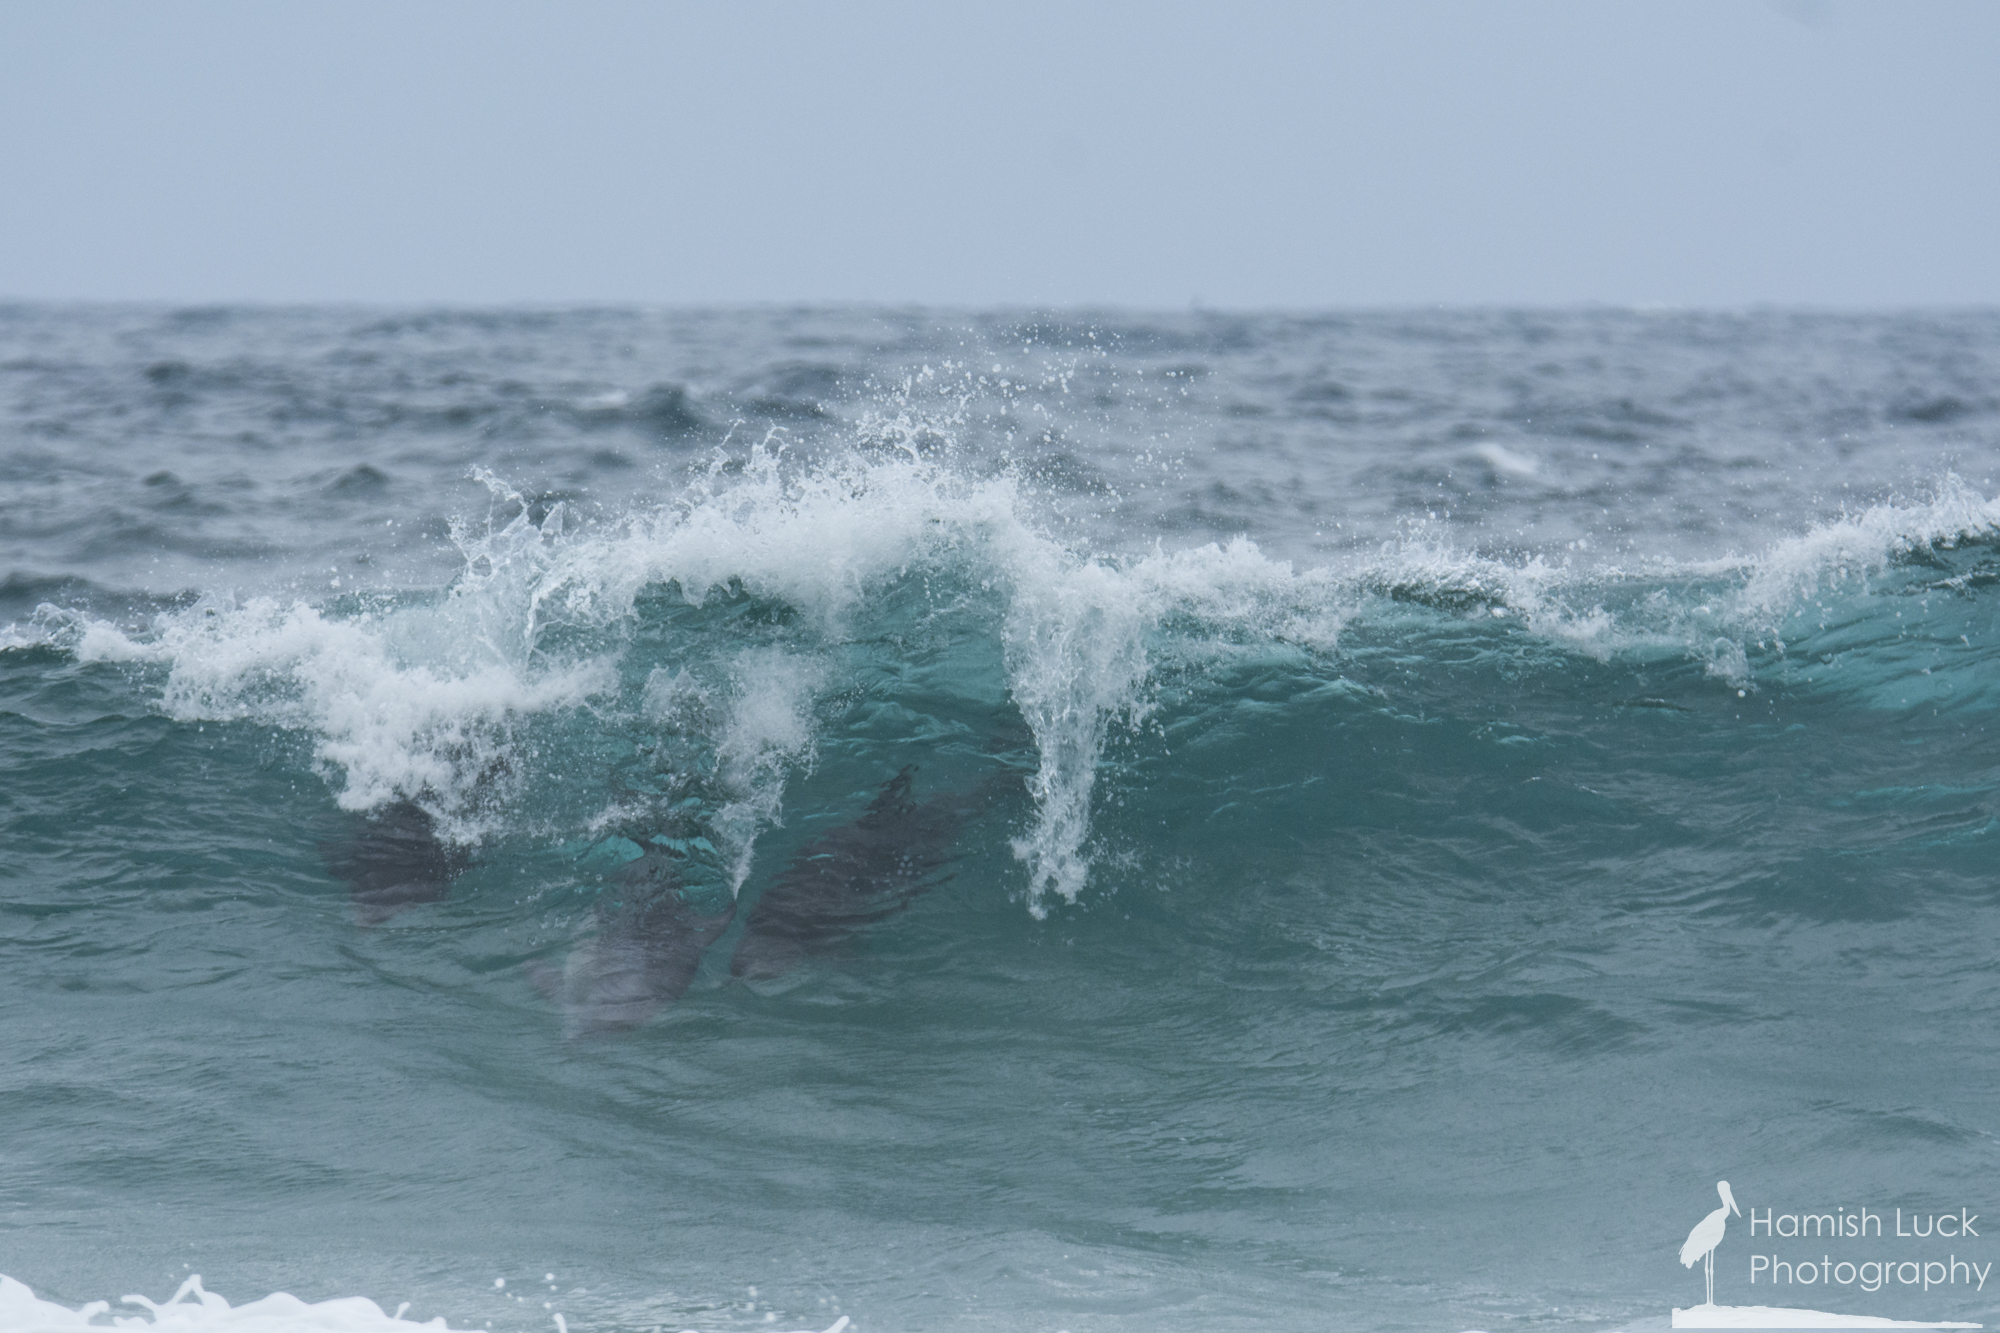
(661, 409)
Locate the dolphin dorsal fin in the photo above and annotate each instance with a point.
(895, 792)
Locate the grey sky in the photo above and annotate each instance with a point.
(1816, 151)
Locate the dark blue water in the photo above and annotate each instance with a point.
(994, 821)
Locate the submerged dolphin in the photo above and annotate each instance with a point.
(642, 957)
(392, 859)
(854, 875)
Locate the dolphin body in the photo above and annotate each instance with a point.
(643, 956)
(393, 860)
(854, 875)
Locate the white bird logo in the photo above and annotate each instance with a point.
(1707, 1234)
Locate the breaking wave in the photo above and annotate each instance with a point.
(716, 631)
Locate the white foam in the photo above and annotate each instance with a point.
(1076, 657)
(194, 1308)
(822, 538)
(419, 702)
(399, 705)
(87, 638)
(1713, 611)
(1854, 546)
(1506, 461)
(768, 735)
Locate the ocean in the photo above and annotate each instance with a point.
(632, 820)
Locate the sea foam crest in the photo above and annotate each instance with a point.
(823, 538)
(1857, 545)
(425, 699)
(1717, 612)
(420, 701)
(393, 703)
(1725, 612)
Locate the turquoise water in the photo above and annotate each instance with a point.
(1393, 809)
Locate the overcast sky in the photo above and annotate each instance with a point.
(1827, 152)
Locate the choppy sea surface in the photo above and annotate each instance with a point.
(734, 819)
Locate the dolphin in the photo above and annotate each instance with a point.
(642, 956)
(854, 875)
(391, 860)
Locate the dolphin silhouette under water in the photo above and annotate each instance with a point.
(854, 875)
(392, 859)
(643, 956)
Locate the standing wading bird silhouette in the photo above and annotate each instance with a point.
(1707, 1234)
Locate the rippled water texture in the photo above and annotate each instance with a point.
(980, 821)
